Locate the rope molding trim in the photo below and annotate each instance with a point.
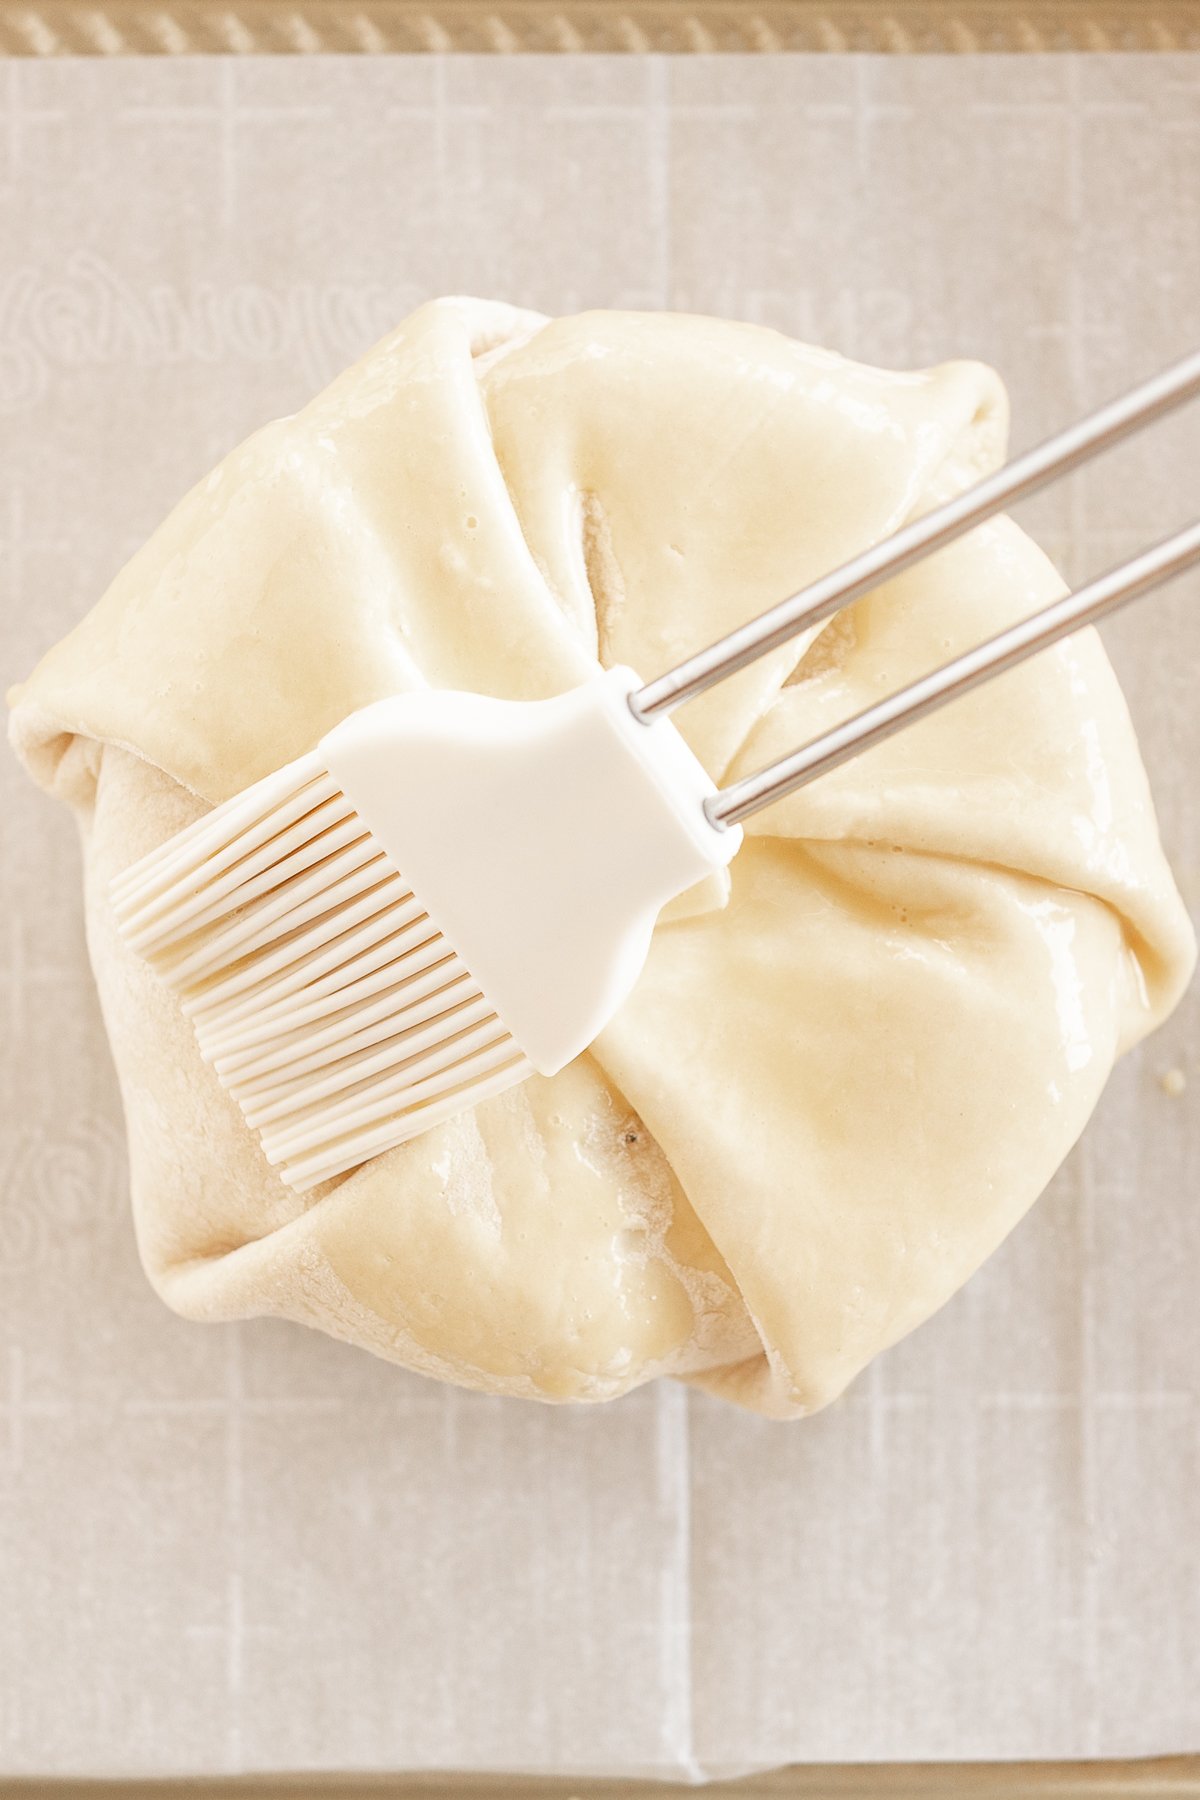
(305, 27)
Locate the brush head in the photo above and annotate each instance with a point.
(330, 1005)
(348, 1006)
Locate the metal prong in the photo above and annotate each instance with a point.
(882, 561)
(970, 670)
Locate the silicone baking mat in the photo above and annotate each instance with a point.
(248, 1548)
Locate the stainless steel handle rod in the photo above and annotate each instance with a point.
(957, 677)
(1059, 454)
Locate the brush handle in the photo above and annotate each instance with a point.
(987, 660)
(1038, 467)
(542, 836)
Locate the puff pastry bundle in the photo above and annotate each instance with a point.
(851, 1065)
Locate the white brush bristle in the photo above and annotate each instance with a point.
(332, 1008)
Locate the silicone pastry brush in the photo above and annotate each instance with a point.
(452, 891)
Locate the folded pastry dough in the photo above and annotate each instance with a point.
(850, 1067)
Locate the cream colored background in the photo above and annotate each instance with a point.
(251, 1548)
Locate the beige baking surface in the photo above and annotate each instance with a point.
(248, 1547)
